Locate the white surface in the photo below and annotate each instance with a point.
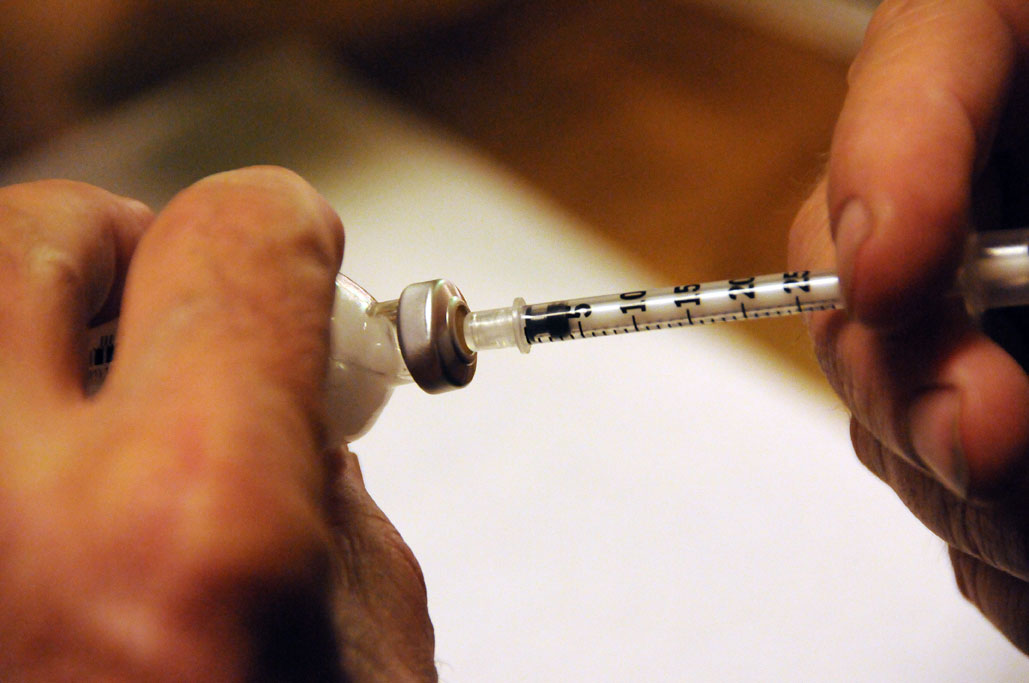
(659, 507)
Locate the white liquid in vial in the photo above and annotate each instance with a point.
(365, 363)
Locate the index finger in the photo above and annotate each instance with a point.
(226, 312)
(926, 93)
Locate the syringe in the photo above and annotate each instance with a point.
(995, 274)
(429, 335)
(749, 298)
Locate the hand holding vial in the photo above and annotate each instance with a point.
(185, 521)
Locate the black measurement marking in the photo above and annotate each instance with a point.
(800, 309)
(579, 323)
(103, 353)
(632, 296)
(744, 287)
(799, 279)
(634, 324)
(743, 307)
(692, 290)
(688, 317)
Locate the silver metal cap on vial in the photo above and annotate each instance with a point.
(430, 331)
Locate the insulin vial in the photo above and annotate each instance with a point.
(365, 362)
(376, 346)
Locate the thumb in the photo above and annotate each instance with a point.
(926, 94)
(382, 614)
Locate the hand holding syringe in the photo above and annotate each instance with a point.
(430, 336)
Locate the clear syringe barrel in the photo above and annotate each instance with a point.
(762, 296)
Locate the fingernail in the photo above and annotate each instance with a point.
(851, 230)
(933, 422)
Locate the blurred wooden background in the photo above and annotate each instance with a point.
(682, 134)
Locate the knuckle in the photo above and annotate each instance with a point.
(34, 256)
(984, 533)
(57, 268)
(989, 534)
(961, 527)
(981, 531)
(60, 233)
(1002, 598)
